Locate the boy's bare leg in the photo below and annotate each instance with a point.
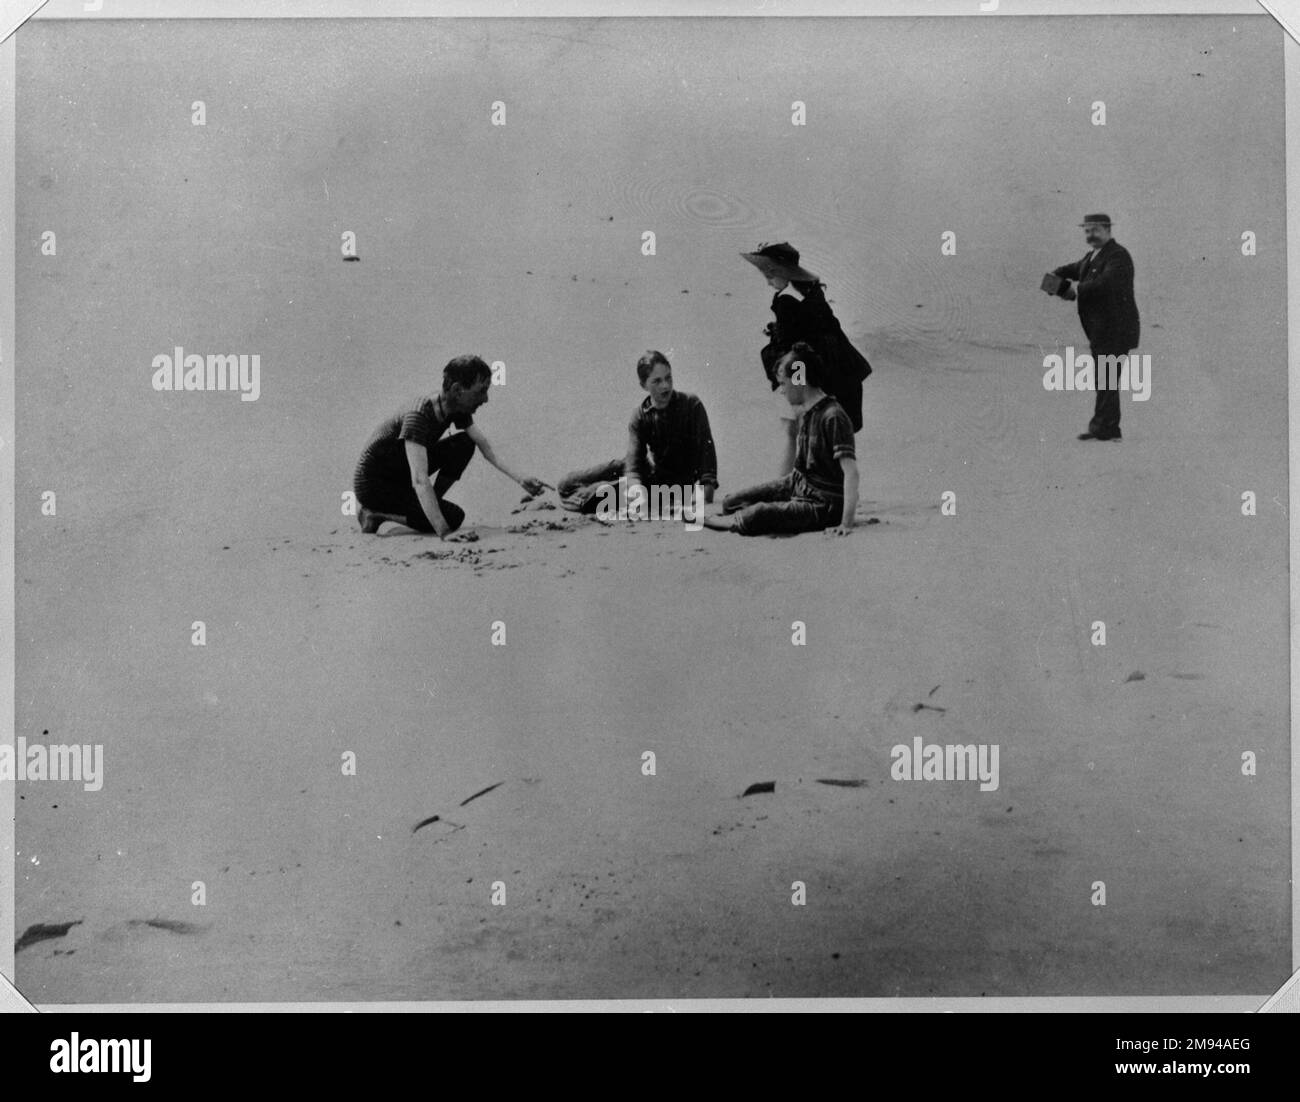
(375, 523)
(399, 527)
(371, 521)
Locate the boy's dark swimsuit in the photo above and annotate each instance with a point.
(382, 481)
(810, 497)
(672, 447)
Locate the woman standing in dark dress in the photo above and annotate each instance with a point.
(806, 318)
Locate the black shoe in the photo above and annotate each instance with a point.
(369, 522)
(1100, 436)
(1086, 436)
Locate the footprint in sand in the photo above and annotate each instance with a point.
(171, 925)
(121, 931)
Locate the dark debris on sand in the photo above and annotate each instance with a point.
(531, 505)
(42, 931)
(538, 525)
(171, 925)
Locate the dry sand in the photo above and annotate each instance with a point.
(223, 763)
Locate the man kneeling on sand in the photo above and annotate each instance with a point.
(669, 444)
(822, 490)
(393, 480)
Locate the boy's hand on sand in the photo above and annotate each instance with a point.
(840, 530)
(533, 485)
(465, 535)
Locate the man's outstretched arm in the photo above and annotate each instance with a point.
(532, 485)
(1068, 271)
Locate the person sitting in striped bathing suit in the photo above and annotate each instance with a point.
(394, 479)
(821, 493)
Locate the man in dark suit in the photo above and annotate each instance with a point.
(1108, 312)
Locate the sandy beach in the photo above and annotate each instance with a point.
(224, 763)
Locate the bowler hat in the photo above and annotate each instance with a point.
(781, 259)
(1097, 219)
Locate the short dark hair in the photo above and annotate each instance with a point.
(466, 370)
(814, 370)
(646, 364)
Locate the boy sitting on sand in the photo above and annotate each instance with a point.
(669, 444)
(393, 477)
(822, 490)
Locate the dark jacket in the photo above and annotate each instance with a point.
(811, 319)
(1105, 295)
(672, 446)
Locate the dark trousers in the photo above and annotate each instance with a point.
(580, 491)
(583, 491)
(448, 457)
(772, 508)
(1105, 413)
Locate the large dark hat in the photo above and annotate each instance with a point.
(781, 259)
(1095, 219)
